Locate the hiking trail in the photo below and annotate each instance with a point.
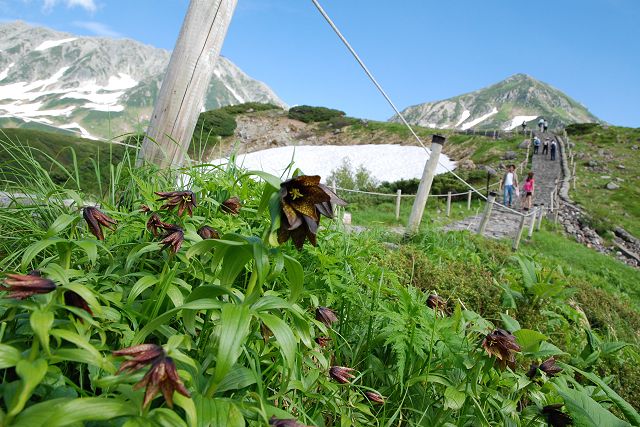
(504, 223)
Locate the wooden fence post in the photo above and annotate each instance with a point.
(185, 84)
(449, 204)
(532, 224)
(334, 187)
(469, 194)
(398, 200)
(487, 213)
(437, 141)
(551, 197)
(540, 216)
(516, 240)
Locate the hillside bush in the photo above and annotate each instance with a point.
(239, 329)
(249, 107)
(575, 129)
(309, 114)
(216, 122)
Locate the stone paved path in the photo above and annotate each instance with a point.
(504, 223)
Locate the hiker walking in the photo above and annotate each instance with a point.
(545, 126)
(508, 184)
(541, 124)
(545, 147)
(528, 188)
(536, 144)
(554, 148)
(524, 127)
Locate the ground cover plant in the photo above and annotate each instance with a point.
(197, 297)
(607, 155)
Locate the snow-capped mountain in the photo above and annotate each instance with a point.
(504, 105)
(100, 87)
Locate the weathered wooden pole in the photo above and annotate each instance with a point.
(449, 204)
(398, 201)
(532, 224)
(487, 213)
(184, 87)
(469, 194)
(540, 216)
(437, 141)
(516, 240)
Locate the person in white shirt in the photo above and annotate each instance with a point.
(508, 184)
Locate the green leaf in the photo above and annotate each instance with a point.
(609, 348)
(629, 412)
(272, 180)
(234, 261)
(510, 324)
(140, 286)
(233, 330)
(217, 413)
(546, 350)
(189, 407)
(164, 417)
(453, 399)
(587, 412)
(284, 336)
(81, 342)
(34, 249)
(73, 412)
(31, 374)
(60, 224)
(528, 339)
(41, 322)
(87, 295)
(295, 276)
(237, 378)
(90, 247)
(9, 356)
(206, 246)
(201, 304)
(140, 250)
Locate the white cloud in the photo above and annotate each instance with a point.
(88, 5)
(97, 28)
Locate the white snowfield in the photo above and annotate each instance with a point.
(480, 119)
(385, 162)
(53, 43)
(517, 121)
(23, 95)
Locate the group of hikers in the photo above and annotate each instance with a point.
(549, 146)
(509, 182)
(510, 188)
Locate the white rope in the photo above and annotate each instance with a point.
(381, 90)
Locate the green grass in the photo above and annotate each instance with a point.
(598, 270)
(57, 153)
(609, 208)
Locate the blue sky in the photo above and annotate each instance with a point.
(420, 50)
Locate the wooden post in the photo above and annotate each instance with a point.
(334, 187)
(398, 200)
(516, 240)
(449, 204)
(551, 201)
(532, 224)
(469, 194)
(540, 216)
(487, 213)
(557, 211)
(185, 84)
(424, 188)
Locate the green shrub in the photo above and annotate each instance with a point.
(309, 114)
(576, 129)
(216, 122)
(249, 107)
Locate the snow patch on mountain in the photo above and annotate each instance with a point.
(386, 162)
(4, 73)
(465, 115)
(53, 43)
(480, 119)
(517, 121)
(83, 132)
